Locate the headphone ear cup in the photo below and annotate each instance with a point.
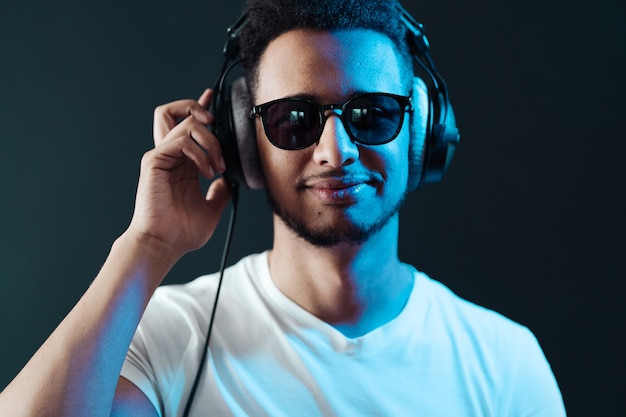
(450, 137)
(244, 133)
(443, 137)
(418, 125)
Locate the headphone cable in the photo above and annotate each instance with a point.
(234, 186)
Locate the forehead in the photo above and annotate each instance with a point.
(328, 65)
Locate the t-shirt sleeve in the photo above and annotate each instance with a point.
(536, 391)
(138, 370)
(166, 348)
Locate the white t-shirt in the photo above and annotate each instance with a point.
(441, 356)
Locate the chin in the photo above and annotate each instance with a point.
(341, 230)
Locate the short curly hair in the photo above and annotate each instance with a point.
(268, 19)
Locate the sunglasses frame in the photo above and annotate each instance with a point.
(260, 110)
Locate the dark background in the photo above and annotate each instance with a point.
(528, 221)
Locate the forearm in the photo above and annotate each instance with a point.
(75, 371)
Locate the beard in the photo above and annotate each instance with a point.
(331, 235)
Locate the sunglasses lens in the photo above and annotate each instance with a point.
(370, 119)
(292, 124)
(374, 119)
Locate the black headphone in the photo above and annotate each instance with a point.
(429, 156)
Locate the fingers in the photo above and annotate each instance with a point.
(168, 115)
(194, 115)
(175, 153)
(193, 141)
(202, 138)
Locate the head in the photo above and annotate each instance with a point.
(267, 19)
(336, 190)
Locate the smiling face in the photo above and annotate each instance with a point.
(335, 190)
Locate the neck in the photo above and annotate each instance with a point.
(355, 288)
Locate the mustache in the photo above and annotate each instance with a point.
(342, 175)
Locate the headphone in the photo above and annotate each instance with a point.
(429, 154)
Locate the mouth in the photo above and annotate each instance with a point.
(339, 190)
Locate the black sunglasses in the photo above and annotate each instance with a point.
(369, 119)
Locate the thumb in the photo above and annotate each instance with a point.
(205, 98)
(218, 195)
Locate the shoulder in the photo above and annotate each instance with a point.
(190, 304)
(503, 354)
(466, 317)
(474, 334)
(168, 343)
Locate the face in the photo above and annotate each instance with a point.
(336, 190)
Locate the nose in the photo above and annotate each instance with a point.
(335, 148)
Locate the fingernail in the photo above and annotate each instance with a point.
(222, 164)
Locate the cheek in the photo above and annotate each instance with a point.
(403, 153)
(261, 143)
(396, 162)
(281, 168)
(267, 153)
(392, 164)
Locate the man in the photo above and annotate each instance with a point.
(327, 322)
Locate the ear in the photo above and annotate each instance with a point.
(418, 125)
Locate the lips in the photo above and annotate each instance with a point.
(342, 190)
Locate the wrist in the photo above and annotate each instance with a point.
(151, 257)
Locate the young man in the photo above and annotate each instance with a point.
(329, 321)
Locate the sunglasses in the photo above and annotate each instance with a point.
(369, 119)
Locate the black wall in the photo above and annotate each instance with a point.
(529, 220)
